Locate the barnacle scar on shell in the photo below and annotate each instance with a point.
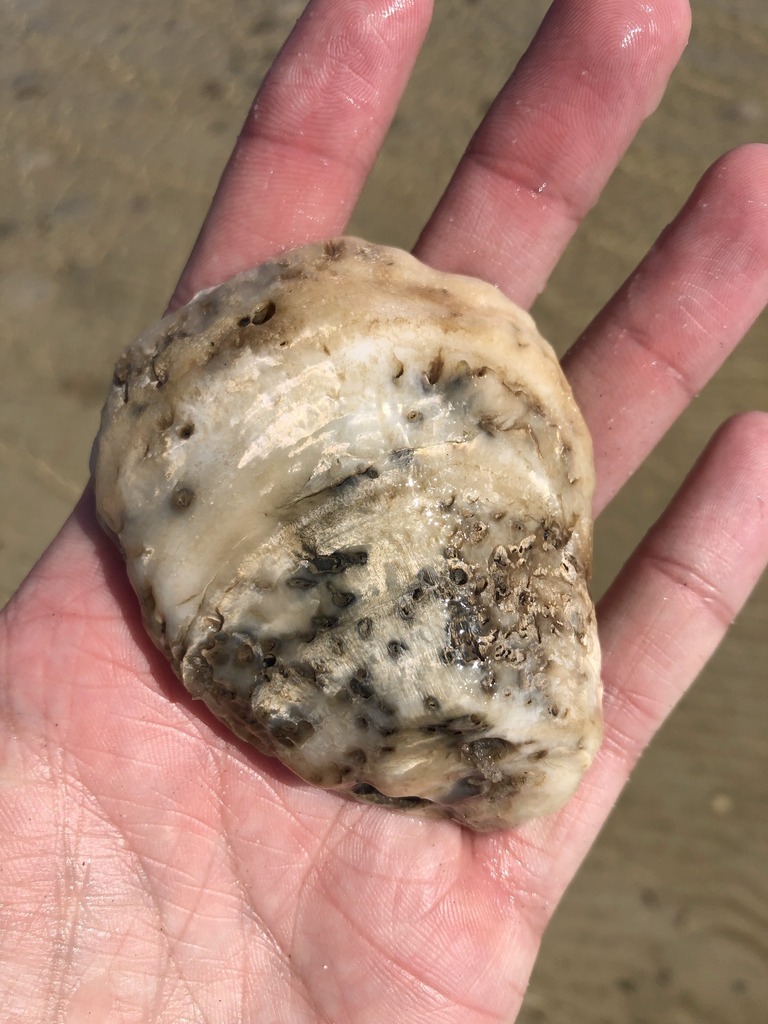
(353, 495)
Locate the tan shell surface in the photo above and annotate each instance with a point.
(354, 498)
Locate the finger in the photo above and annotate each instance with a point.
(540, 158)
(659, 624)
(311, 135)
(678, 316)
(674, 600)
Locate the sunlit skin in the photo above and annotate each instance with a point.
(155, 870)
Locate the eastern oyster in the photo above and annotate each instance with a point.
(353, 495)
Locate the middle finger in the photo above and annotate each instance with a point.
(543, 153)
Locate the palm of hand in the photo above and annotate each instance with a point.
(157, 870)
(147, 837)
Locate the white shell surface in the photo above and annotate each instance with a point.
(354, 498)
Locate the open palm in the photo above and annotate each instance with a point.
(156, 870)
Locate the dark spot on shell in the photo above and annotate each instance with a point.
(431, 703)
(399, 370)
(538, 755)
(477, 532)
(475, 719)
(175, 333)
(505, 787)
(357, 756)
(334, 249)
(325, 621)
(361, 688)
(460, 376)
(457, 725)
(290, 271)
(244, 655)
(459, 576)
(341, 598)
(362, 722)
(291, 732)
(405, 608)
(301, 583)
(403, 456)
(364, 628)
(372, 473)
(414, 416)
(347, 482)
(215, 656)
(372, 795)
(435, 368)
(186, 431)
(182, 498)
(263, 313)
(396, 648)
(338, 561)
(466, 788)
(305, 671)
(481, 753)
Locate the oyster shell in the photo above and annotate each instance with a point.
(353, 495)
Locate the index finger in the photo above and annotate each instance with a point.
(552, 138)
(311, 135)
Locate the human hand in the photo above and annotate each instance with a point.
(155, 869)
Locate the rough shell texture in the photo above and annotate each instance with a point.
(353, 495)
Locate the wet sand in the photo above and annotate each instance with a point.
(115, 127)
